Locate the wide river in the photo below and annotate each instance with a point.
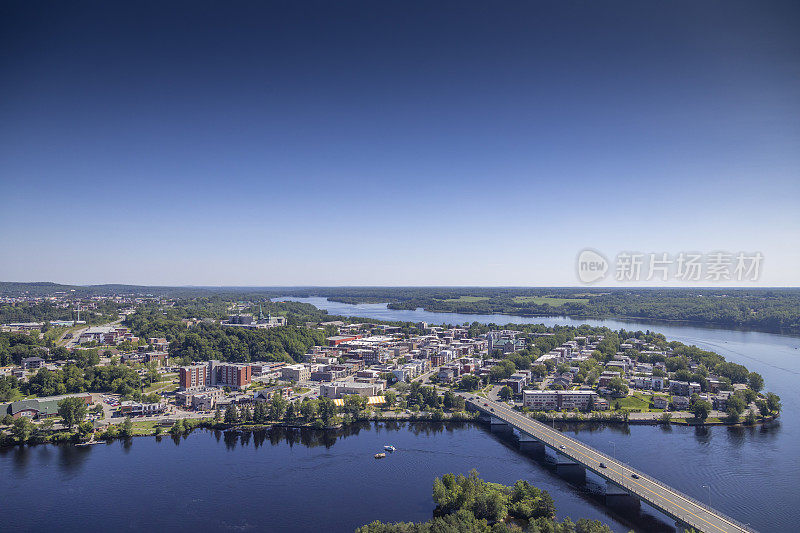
(306, 481)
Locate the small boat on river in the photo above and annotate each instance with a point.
(380, 455)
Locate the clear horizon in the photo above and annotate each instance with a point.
(363, 144)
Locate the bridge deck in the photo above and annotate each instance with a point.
(671, 502)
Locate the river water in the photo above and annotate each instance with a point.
(753, 474)
(306, 481)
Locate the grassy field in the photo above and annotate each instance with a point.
(144, 427)
(635, 401)
(467, 299)
(555, 302)
(165, 385)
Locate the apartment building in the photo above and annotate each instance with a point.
(548, 400)
(192, 377)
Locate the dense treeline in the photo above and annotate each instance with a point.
(211, 341)
(468, 503)
(767, 309)
(72, 378)
(119, 379)
(206, 341)
(106, 311)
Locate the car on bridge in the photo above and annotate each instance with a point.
(602, 465)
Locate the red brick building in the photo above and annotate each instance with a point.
(192, 377)
(236, 376)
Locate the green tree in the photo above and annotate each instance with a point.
(22, 429)
(127, 427)
(459, 404)
(618, 387)
(277, 406)
(701, 409)
(327, 410)
(755, 381)
(260, 413)
(736, 404)
(732, 416)
(470, 382)
(217, 414)
(308, 408)
(72, 410)
(390, 398)
(506, 393)
(231, 414)
(354, 403)
(773, 402)
(448, 400)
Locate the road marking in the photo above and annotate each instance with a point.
(564, 440)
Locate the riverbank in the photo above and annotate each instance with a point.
(184, 426)
(610, 316)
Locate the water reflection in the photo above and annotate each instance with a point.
(425, 449)
(702, 434)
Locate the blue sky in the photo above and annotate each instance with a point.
(393, 143)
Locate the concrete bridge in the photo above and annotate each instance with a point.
(623, 482)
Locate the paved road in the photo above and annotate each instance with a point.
(73, 342)
(666, 499)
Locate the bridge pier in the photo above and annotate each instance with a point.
(569, 468)
(617, 496)
(499, 426)
(530, 444)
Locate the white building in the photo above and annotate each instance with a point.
(548, 400)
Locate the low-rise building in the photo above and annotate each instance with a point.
(200, 399)
(31, 363)
(265, 395)
(684, 388)
(131, 408)
(680, 403)
(517, 382)
(548, 400)
(343, 388)
(660, 402)
(295, 373)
